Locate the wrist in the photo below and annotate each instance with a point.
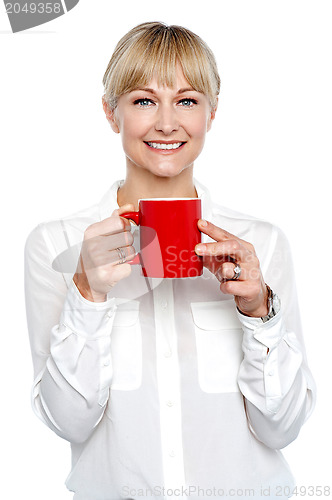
(262, 308)
(82, 284)
(272, 307)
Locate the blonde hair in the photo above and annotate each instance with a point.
(154, 48)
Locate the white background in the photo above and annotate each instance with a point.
(268, 154)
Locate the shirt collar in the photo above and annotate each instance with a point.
(109, 201)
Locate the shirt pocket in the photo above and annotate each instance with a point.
(218, 335)
(126, 347)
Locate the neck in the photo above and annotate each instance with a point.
(140, 183)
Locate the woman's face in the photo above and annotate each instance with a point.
(162, 128)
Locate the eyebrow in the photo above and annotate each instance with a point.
(180, 91)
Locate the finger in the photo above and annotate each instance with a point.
(223, 250)
(225, 272)
(111, 257)
(96, 249)
(111, 225)
(219, 234)
(122, 254)
(244, 289)
(215, 232)
(111, 241)
(120, 272)
(112, 274)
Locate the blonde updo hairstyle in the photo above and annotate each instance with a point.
(154, 48)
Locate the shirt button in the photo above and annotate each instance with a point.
(271, 373)
(163, 304)
(107, 362)
(168, 354)
(172, 453)
(170, 403)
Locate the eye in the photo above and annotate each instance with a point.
(144, 102)
(187, 103)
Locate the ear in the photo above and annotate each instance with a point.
(212, 116)
(110, 115)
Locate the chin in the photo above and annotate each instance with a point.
(166, 174)
(167, 170)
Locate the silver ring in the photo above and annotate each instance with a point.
(237, 272)
(122, 255)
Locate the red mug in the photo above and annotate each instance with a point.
(168, 236)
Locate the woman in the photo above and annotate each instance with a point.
(166, 388)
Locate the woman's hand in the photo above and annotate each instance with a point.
(220, 257)
(101, 264)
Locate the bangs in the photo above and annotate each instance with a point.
(157, 52)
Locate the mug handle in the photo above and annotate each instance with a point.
(134, 216)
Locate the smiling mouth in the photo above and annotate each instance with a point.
(164, 146)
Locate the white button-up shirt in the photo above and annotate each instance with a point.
(165, 390)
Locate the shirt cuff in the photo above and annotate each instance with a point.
(259, 345)
(86, 318)
(256, 333)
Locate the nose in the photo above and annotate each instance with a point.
(166, 120)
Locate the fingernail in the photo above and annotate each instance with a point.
(200, 248)
(203, 222)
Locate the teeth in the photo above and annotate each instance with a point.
(158, 145)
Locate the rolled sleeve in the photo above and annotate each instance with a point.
(272, 358)
(85, 318)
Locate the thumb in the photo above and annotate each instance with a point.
(128, 207)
